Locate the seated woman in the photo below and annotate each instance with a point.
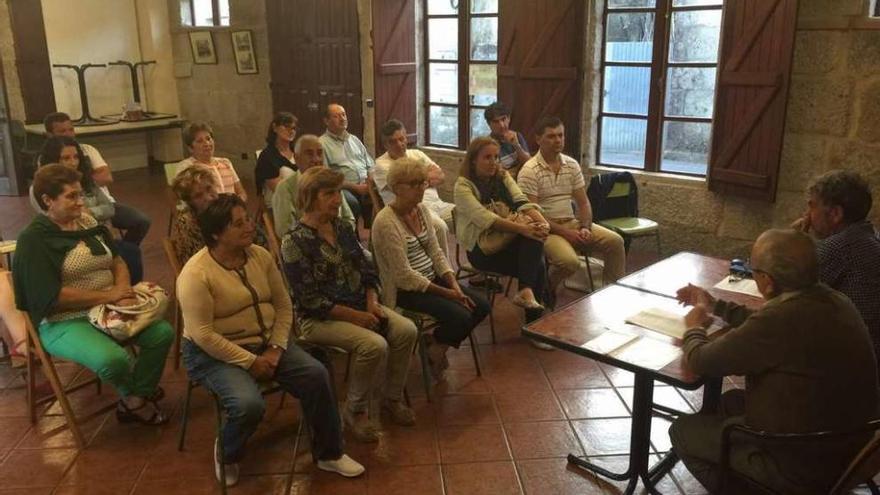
(237, 317)
(276, 161)
(199, 139)
(335, 290)
(415, 274)
(482, 181)
(65, 264)
(197, 188)
(67, 151)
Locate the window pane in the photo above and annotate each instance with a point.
(224, 12)
(695, 36)
(688, 3)
(443, 123)
(440, 7)
(690, 92)
(483, 84)
(629, 37)
(484, 6)
(686, 147)
(443, 39)
(204, 13)
(626, 90)
(620, 4)
(479, 127)
(623, 142)
(443, 83)
(484, 38)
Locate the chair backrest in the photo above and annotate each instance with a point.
(170, 172)
(613, 195)
(272, 236)
(375, 197)
(171, 255)
(864, 467)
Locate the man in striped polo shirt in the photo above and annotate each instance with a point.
(552, 180)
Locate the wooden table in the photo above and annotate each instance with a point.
(581, 321)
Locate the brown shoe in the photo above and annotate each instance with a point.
(360, 425)
(400, 413)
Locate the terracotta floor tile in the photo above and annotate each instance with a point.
(98, 465)
(666, 396)
(556, 477)
(542, 439)
(320, 482)
(592, 403)
(528, 406)
(97, 488)
(603, 436)
(13, 403)
(178, 486)
(481, 478)
(472, 443)
(461, 382)
(27, 491)
(12, 430)
(165, 462)
(53, 432)
(262, 485)
(619, 464)
(402, 446)
(466, 410)
(617, 376)
(409, 480)
(27, 468)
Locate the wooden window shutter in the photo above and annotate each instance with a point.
(752, 92)
(540, 64)
(394, 42)
(32, 59)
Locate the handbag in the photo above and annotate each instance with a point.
(124, 322)
(493, 240)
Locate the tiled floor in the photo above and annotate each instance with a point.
(505, 432)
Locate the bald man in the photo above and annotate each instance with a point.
(809, 366)
(346, 153)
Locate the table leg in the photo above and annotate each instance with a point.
(711, 396)
(639, 443)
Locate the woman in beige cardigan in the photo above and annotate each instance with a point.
(414, 272)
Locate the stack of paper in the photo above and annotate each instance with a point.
(668, 322)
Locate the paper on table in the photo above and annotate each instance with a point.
(743, 286)
(666, 321)
(609, 341)
(648, 353)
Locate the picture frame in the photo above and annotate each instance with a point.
(245, 55)
(202, 44)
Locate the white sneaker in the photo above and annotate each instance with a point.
(231, 469)
(344, 466)
(542, 345)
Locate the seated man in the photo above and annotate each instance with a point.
(848, 246)
(347, 154)
(808, 364)
(553, 180)
(134, 222)
(514, 149)
(308, 153)
(394, 138)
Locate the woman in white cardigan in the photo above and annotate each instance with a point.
(414, 272)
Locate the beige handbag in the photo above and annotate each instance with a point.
(124, 322)
(492, 240)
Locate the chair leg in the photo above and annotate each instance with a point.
(31, 381)
(184, 419)
(490, 296)
(426, 369)
(473, 342)
(590, 274)
(509, 283)
(178, 333)
(220, 449)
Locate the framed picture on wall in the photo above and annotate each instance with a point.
(243, 48)
(202, 47)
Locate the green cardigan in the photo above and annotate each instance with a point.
(39, 257)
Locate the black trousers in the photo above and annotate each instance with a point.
(523, 259)
(455, 321)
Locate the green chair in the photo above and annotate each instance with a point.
(630, 227)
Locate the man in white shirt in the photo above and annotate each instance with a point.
(393, 136)
(552, 180)
(134, 222)
(346, 153)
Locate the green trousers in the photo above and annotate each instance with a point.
(78, 341)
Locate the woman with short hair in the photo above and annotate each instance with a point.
(415, 274)
(199, 139)
(65, 264)
(336, 292)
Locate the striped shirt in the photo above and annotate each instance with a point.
(553, 190)
(418, 259)
(224, 172)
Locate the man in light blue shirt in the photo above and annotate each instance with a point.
(346, 154)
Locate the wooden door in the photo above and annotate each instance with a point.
(394, 44)
(315, 58)
(8, 178)
(757, 43)
(541, 64)
(32, 59)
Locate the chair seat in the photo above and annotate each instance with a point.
(631, 225)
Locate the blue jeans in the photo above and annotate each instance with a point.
(298, 374)
(133, 221)
(131, 254)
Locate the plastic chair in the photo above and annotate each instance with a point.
(618, 210)
(861, 469)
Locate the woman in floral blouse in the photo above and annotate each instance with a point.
(335, 291)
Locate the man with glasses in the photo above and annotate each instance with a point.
(808, 363)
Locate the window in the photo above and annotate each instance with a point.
(659, 61)
(204, 12)
(461, 40)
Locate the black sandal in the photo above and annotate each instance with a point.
(124, 414)
(156, 396)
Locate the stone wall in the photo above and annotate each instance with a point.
(832, 122)
(238, 107)
(10, 71)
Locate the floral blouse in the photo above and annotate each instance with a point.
(322, 276)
